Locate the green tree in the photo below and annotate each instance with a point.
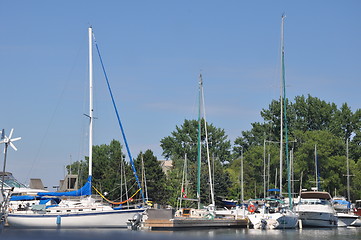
(184, 140)
(109, 171)
(345, 122)
(311, 122)
(152, 176)
(311, 113)
(331, 160)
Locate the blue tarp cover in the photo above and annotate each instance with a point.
(343, 202)
(22, 198)
(273, 190)
(84, 191)
(43, 200)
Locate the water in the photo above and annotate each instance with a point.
(224, 234)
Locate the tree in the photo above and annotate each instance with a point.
(313, 113)
(108, 163)
(184, 140)
(345, 122)
(331, 159)
(311, 122)
(155, 179)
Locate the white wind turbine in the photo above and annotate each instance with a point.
(8, 141)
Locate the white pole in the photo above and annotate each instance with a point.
(242, 193)
(276, 179)
(207, 144)
(316, 170)
(268, 170)
(348, 174)
(90, 100)
(264, 168)
(281, 102)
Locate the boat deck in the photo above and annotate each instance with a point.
(160, 220)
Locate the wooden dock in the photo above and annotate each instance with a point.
(163, 219)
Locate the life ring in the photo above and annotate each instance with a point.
(251, 208)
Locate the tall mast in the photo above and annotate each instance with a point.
(348, 174)
(199, 145)
(281, 102)
(242, 194)
(264, 167)
(316, 169)
(207, 144)
(90, 31)
(285, 119)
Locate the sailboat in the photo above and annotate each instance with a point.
(185, 217)
(343, 207)
(83, 213)
(275, 214)
(209, 211)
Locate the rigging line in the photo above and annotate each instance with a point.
(52, 117)
(119, 121)
(116, 203)
(122, 195)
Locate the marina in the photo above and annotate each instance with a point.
(261, 164)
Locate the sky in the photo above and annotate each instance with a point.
(153, 53)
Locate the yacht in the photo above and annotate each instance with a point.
(315, 209)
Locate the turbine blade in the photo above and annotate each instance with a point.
(15, 139)
(13, 146)
(11, 133)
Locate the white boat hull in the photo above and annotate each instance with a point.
(318, 219)
(99, 219)
(356, 223)
(345, 220)
(274, 220)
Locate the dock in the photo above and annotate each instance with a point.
(164, 219)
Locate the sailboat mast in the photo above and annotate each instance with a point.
(207, 144)
(348, 174)
(285, 116)
(281, 102)
(90, 32)
(242, 194)
(316, 169)
(199, 145)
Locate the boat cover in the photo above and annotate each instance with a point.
(83, 191)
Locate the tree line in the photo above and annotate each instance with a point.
(318, 133)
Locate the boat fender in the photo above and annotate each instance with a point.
(58, 220)
(209, 216)
(251, 208)
(263, 224)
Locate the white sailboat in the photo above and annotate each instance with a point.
(209, 216)
(209, 210)
(282, 216)
(83, 213)
(343, 207)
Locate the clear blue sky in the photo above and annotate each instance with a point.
(154, 52)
